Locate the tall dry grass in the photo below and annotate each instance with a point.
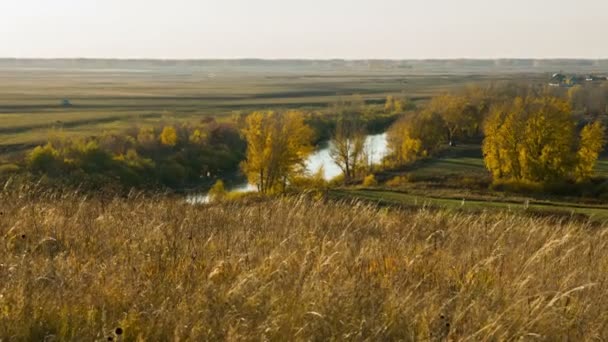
(78, 268)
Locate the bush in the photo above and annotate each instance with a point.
(45, 160)
(519, 186)
(138, 158)
(9, 169)
(217, 193)
(172, 174)
(336, 181)
(398, 181)
(370, 180)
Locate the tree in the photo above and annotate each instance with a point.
(347, 145)
(397, 104)
(168, 137)
(461, 118)
(415, 136)
(198, 137)
(277, 145)
(591, 144)
(389, 105)
(146, 137)
(534, 140)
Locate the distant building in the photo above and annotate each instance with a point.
(594, 78)
(557, 80)
(66, 103)
(561, 80)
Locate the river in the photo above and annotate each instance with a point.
(375, 144)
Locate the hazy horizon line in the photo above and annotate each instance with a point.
(312, 59)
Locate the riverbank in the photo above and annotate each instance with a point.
(376, 146)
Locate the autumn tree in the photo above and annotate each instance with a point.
(461, 119)
(535, 140)
(277, 146)
(389, 104)
(168, 136)
(146, 137)
(589, 99)
(198, 136)
(415, 136)
(395, 104)
(592, 140)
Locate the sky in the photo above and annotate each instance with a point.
(314, 29)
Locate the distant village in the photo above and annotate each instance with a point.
(562, 80)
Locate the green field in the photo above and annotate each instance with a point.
(438, 183)
(598, 213)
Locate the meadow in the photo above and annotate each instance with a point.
(292, 268)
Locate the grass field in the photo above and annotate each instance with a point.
(79, 268)
(441, 182)
(598, 213)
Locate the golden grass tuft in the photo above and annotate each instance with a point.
(78, 268)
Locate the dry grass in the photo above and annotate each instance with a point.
(76, 268)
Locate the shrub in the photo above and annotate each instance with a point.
(370, 180)
(217, 193)
(398, 181)
(520, 186)
(172, 174)
(9, 169)
(45, 160)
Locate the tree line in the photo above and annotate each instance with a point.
(170, 155)
(528, 134)
(268, 147)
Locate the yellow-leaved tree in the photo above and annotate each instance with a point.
(277, 146)
(389, 104)
(415, 136)
(168, 136)
(591, 144)
(534, 139)
(461, 119)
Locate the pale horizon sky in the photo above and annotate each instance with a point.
(312, 29)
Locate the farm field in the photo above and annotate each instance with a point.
(110, 98)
